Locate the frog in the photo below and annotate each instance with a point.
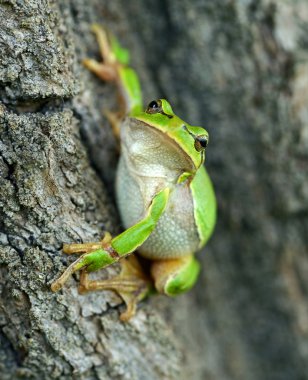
(164, 194)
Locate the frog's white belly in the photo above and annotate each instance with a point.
(176, 234)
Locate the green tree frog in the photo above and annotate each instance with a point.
(164, 194)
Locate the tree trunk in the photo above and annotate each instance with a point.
(239, 69)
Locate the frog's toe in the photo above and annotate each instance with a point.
(77, 248)
(104, 71)
(132, 285)
(90, 262)
(75, 266)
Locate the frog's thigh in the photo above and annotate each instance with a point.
(175, 276)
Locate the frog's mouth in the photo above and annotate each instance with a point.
(150, 146)
(194, 158)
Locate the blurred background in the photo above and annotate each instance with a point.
(240, 69)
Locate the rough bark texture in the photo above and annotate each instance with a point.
(239, 68)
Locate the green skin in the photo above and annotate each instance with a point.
(186, 138)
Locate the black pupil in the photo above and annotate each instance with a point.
(153, 104)
(203, 141)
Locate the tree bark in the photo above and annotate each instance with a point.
(239, 69)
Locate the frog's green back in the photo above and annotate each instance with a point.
(204, 204)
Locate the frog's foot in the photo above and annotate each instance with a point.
(175, 276)
(95, 256)
(107, 69)
(132, 285)
(114, 67)
(114, 59)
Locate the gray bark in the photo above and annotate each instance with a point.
(238, 68)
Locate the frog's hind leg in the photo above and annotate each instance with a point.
(132, 285)
(175, 276)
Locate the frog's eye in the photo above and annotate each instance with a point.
(154, 107)
(201, 142)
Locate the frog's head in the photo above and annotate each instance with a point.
(190, 141)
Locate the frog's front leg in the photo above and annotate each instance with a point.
(107, 69)
(111, 251)
(175, 276)
(114, 67)
(70, 249)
